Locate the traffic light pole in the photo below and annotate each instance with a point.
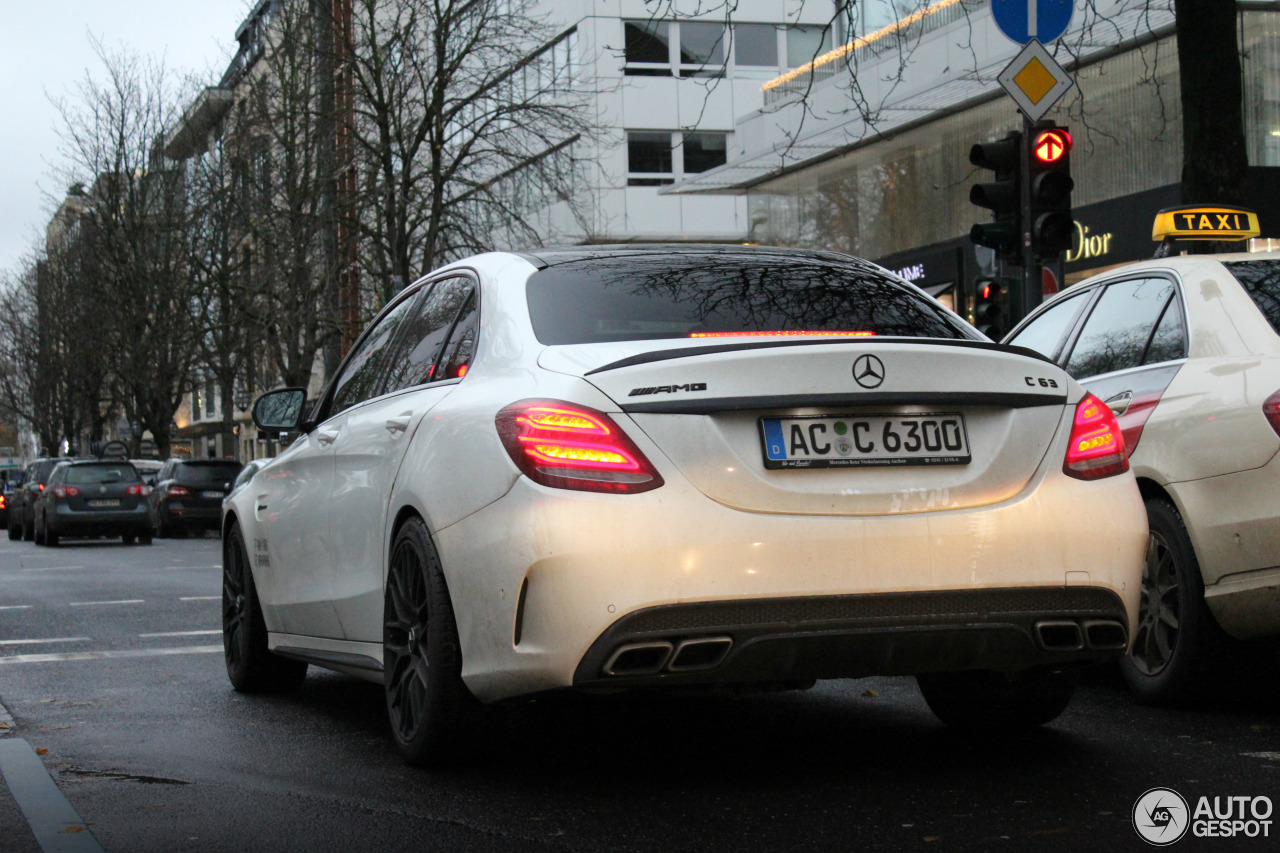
(1030, 292)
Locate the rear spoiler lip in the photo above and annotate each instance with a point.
(689, 352)
(712, 405)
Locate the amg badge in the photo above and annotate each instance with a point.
(667, 389)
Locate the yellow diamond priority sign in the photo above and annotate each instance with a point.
(1035, 81)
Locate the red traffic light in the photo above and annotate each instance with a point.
(1050, 146)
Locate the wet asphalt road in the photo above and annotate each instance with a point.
(125, 689)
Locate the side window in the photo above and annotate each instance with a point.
(1044, 334)
(462, 343)
(362, 376)
(1170, 339)
(1116, 334)
(414, 360)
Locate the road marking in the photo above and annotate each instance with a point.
(46, 640)
(182, 633)
(197, 598)
(53, 568)
(93, 603)
(15, 606)
(123, 653)
(54, 821)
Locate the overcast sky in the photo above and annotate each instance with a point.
(45, 50)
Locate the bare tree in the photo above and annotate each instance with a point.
(135, 228)
(467, 116)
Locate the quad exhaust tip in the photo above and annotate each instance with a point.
(655, 656)
(1064, 635)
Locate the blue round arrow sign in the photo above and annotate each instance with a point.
(1024, 20)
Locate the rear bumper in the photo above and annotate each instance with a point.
(65, 522)
(548, 584)
(801, 639)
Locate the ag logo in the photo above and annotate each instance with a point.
(868, 371)
(1161, 816)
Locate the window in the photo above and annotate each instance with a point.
(1044, 334)
(642, 297)
(362, 376)
(806, 43)
(756, 45)
(649, 159)
(1122, 323)
(647, 48)
(414, 360)
(703, 151)
(462, 343)
(1261, 280)
(702, 49)
(655, 158)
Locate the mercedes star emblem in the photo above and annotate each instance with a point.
(868, 371)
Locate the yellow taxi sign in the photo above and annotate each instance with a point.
(1213, 222)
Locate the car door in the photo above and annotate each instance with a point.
(293, 507)
(1130, 345)
(371, 445)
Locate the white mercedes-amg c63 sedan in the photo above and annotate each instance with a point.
(683, 466)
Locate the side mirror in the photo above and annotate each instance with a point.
(280, 410)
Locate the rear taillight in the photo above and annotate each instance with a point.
(1097, 445)
(142, 490)
(1, 501)
(572, 447)
(1271, 408)
(177, 492)
(64, 492)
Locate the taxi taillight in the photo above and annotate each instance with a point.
(1096, 449)
(573, 447)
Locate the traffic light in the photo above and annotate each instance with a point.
(1049, 167)
(1003, 196)
(988, 308)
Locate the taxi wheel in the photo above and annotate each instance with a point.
(981, 700)
(1177, 638)
(251, 667)
(429, 707)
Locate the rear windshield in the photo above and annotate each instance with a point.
(107, 472)
(637, 297)
(217, 473)
(1261, 280)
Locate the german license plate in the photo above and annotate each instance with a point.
(850, 441)
(211, 494)
(104, 503)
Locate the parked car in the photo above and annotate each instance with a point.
(11, 484)
(724, 467)
(1186, 350)
(188, 494)
(21, 520)
(93, 497)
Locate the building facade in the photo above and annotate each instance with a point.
(868, 153)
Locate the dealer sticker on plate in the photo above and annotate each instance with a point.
(846, 441)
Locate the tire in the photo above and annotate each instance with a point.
(982, 700)
(37, 531)
(250, 666)
(429, 708)
(1177, 639)
(162, 529)
(50, 537)
(29, 532)
(128, 538)
(15, 531)
(144, 538)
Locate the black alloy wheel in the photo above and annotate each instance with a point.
(429, 707)
(251, 667)
(1177, 638)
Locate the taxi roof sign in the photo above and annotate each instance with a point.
(1205, 222)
